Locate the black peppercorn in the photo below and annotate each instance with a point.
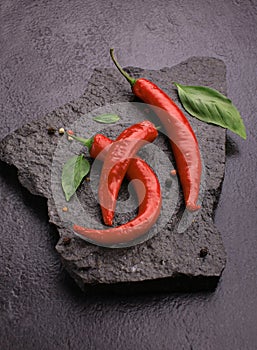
(51, 130)
(203, 252)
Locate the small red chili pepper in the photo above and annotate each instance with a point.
(182, 138)
(117, 161)
(149, 197)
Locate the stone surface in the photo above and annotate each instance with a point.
(168, 261)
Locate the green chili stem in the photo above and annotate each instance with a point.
(85, 142)
(125, 74)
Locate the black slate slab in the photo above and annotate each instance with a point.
(171, 260)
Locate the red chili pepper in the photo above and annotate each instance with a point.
(149, 197)
(182, 138)
(117, 161)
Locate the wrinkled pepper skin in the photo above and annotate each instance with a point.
(182, 138)
(116, 163)
(149, 197)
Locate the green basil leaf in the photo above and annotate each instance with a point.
(107, 118)
(73, 172)
(211, 106)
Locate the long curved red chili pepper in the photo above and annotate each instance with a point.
(149, 197)
(182, 138)
(117, 161)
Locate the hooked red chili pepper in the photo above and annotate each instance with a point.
(117, 161)
(182, 138)
(149, 197)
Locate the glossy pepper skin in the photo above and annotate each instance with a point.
(116, 163)
(149, 197)
(182, 138)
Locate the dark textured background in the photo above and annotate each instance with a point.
(48, 51)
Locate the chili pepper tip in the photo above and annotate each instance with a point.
(192, 207)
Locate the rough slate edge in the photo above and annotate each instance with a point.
(189, 274)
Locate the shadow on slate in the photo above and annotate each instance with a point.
(170, 261)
